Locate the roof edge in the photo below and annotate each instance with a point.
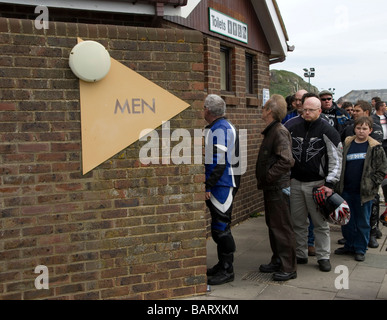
(147, 7)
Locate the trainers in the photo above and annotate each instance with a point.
(359, 256)
(302, 260)
(343, 250)
(221, 277)
(372, 243)
(341, 241)
(324, 265)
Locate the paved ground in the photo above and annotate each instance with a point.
(367, 280)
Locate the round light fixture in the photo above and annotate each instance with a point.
(90, 61)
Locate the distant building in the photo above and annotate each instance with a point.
(366, 95)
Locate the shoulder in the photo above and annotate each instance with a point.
(280, 128)
(284, 133)
(348, 140)
(376, 126)
(293, 121)
(373, 143)
(327, 126)
(222, 123)
(329, 131)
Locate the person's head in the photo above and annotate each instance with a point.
(374, 100)
(326, 99)
(288, 100)
(361, 109)
(291, 102)
(380, 107)
(311, 107)
(348, 107)
(274, 109)
(214, 107)
(298, 98)
(363, 128)
(340, 102)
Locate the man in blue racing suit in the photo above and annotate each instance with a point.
(222, 182)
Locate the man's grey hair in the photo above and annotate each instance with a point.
(216, 105)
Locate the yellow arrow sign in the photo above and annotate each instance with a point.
(116, 109)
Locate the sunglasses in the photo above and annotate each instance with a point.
(326, 99)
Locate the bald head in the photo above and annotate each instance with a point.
(300, 93)
(298, 97)
(313, 101)
(311, 109)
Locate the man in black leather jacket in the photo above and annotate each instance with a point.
(317, 150)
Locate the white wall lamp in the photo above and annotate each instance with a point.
(89, 61)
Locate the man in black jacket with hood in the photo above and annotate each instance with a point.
(317, 151)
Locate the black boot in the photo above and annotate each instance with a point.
(224, 275)
(214, 270)
(224, 270)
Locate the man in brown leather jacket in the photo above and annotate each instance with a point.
(274, 162)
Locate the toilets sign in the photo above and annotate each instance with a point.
(227, 26)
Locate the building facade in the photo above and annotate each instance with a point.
(124, 230)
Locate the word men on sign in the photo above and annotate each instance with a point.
(227, 26)
(135, 106)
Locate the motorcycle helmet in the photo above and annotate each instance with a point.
(333, 208)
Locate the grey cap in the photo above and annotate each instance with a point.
(324, 93)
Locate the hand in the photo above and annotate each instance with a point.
(208, 195)
(328, 191)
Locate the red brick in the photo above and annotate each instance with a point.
(33, 147)
(7, 106)
(39, 230)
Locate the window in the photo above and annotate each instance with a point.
(225, 69)
(249, 73)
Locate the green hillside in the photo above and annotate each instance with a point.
(286, 83)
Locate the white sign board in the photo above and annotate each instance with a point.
(227, 26)
(266, 95)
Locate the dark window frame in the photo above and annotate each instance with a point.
(225, 69)
(249, 73)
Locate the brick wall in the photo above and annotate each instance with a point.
(124, 230)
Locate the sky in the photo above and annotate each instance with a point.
(344, 40)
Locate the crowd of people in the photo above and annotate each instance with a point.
(309, 143)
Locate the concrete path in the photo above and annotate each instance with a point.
(367, 280)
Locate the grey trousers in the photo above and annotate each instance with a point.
(301, 203)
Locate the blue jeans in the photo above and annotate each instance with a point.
(310, 232)
(357, 231)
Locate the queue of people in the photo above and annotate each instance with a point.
(309, 143)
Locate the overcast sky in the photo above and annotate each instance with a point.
(344, 40)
